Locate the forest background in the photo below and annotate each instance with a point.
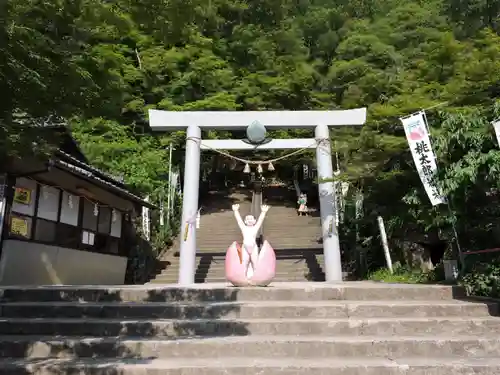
(102, 64)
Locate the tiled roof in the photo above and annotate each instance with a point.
(74, 165)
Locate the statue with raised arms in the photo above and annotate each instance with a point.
(247, 264)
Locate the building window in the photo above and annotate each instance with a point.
(101, 243)
(90, 215)
(88, 238)
(45, 231)
(113, 245)
(68, 236)
(104, 220)
(116, 223)
(70, 206)
(48, 203)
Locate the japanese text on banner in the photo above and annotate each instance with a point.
(423, 156)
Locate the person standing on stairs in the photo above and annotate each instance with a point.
(302, 202)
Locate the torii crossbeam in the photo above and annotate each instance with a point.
(194, 121)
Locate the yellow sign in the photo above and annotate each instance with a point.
(19, 226)
(22, 196)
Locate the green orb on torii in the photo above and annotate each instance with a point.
(256, 133)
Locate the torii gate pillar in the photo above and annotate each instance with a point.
(187, 256)
(329, 230)
(320, 120)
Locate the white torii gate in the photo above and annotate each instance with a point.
(233, 120)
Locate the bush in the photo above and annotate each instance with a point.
(400, 275)
(405, 275)
(483, 280)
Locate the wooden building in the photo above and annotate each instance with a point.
(63, 221)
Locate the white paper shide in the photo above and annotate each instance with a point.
(423, 156)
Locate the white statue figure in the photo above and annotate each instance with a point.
(247, 265)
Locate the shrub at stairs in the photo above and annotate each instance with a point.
(407, 275)
(483, 279)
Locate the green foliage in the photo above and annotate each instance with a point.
(405, 275)
(483, 279)
(400, 275)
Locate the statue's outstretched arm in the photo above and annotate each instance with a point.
(262, 216)
(239, 220)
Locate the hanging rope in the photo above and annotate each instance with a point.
(316, 143)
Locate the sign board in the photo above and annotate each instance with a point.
(19, 226)
(22, 196)
(419, 141)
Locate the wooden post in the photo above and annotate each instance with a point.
(385, 244)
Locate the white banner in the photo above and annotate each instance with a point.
(423, 156)
(145, 221)
(3, 182)
(496, 126)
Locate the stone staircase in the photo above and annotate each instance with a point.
(294, 239)
(358, 328)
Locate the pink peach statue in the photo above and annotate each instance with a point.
(246, 265)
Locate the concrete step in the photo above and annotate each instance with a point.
(251, 366)
(200, 281)
(280, 265)
(371, 291)
(172, 279)
(249, 310)
(219, 271)
(282, 275)
(382, 327)
(210, 260)
(221, 245)
(262, 347)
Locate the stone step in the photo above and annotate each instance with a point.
(222, 244)
(250, 310)
(262, 347)
(222, 247)
(277, 224)
(219, 277)
(289, 236)
(283, 266)
(251, 366)
(282, 255)
(199, 281)
(287, 264)
(220, 273)
(282, 260)
(283, 224)
(223, 292)
(282, 275)
(172, 279)
(382, 327)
